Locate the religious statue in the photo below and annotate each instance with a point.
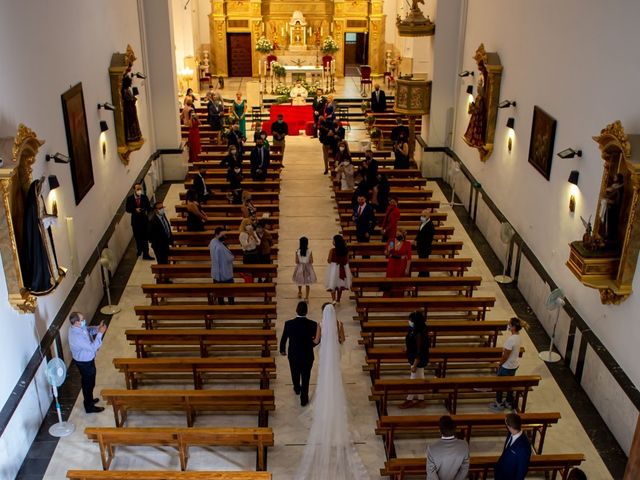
(298, 94)
(132, 131)
(610, 210)
(40, 270)
(297, 34)
(475, 136)
(297, 30)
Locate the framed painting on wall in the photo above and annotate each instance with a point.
(543, 134)
(75, 124)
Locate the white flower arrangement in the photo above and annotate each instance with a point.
(264, 45)
(329, 45)
(278, 70)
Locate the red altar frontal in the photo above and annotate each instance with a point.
(296, 117)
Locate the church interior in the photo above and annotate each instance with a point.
(504, 123)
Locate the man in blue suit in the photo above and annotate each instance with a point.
(514, 461)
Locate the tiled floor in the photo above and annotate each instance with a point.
(306, 209)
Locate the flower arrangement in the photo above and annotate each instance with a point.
(278, 70)
(264, 45)
(329, 45)
(376, 133)
(365, 106)
(282, 89)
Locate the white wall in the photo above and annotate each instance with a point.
(48, 47)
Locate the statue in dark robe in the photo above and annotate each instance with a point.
(40, 270)
(132, 131)
(475, 136)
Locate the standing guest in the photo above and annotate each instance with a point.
(509, 362)
(301, 333)
(344, 172)
(160, 234)
(190, 119)
(215, 112)
(266, 242)
(221, 261)
(196, 217)
(259, 160)
(330, 109)
(360, 190)
(189, 96)
(365, 219)
(339, 132)
(369, 169)
(200, 185)
(239, 112)
(400, 128)
(417, 348)
(232, 158)
(380, 193)
(248, 209)
(249, 242)
(398, 252)
(326, 139)
(338, 275)
(138, 206)
(448, 458)
(259, 133)
(304, 275)
(236, 138)
(424, 238)
(390, 221)
(84, 343)
(235, 177)
(280, 130)
(378, 100)
(319, 103)
(401, 151)
(513, 464)
(577, 474)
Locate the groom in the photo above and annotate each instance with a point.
(301, 333)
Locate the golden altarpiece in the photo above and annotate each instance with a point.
(606, 257)
(271, 18)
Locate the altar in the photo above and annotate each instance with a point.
(306, 73)
(296, 117)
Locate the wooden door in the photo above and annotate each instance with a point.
(239, 54)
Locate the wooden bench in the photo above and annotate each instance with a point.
(220, 197)
(181, 439)
(210, 291)
(384, 390)
(165, 272)
(438, 218)
(451, 307)
(221, 210)
(256, 315)
(196, 370)
(400, 193)
(164, 475)
(389, 172)
(190, 402)
(453, 266)
(406, 205)
(535, 424)
(442, 232)
(375, 332)
(204, 238)
(415, 285)
(247, 184)
(447, 249)
(481, 467)
(211, 173)
(201, 342)
(202, 254)
(228, 223)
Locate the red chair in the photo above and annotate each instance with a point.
(365, 79)
(270, 59)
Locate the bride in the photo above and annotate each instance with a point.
(330, 453)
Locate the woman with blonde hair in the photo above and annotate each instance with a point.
(249, 242)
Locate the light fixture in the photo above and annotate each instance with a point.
(106, 106)
(57, 158)
(572, 204)
(466, 73)
(139, 75)
(507, 104)
(511, 122)
(573, 177)
(135, 91)
(470, 89)
(53, 182)
(570, 153)
(104, 126)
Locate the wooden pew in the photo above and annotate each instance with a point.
(453, 266)
(399, 182)
(481, 467)
(388, 171)
(247, 184)
(375, 332)
(435, 307)
(190, 402)
(202, 254)
(201, 342)
(385, 390)
(534, 424)
(447, 249)
(164, 272)
(415, 285)
(164, 475)
(272, 173)
(438, 218)
(181, 439)
(204, 238)
(230, 224)
(220, 197)
(221, 210)
(209, 291)
(197, 370)
(442, 232)
(257, 315)
(400, 193)
(406, 205)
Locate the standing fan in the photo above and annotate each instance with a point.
(555, 301)
(108, 263)
(56, 373)
(453, 173)
(506, 235)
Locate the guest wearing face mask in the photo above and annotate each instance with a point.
(279, 130)
(399, 265)
(417, 348)
(221, 261)
(424, 238)
(138, 206)
(259, 133)
(200, 185)
(369, 169)
(260, 160)
(160, 234)
(232, 158)
(401, 151)
(249, 242)
(390, 220)
(236, 138)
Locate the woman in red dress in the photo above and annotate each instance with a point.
(390, 221)
(190, 119)
(399, 254)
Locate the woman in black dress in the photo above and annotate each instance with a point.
(195, 215)
(417, 345)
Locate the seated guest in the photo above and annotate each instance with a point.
(298, 94)
(279, 130)
(259, 161)
(378, 100)
(196, 217)
(513, 464)
(236, 138)
(200, 185)
(448, 458)
(232, 158)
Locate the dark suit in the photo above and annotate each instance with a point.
(300, 332)
(378, 101)
(397, 130)
(200, 187)
(318, 110)
(424, 240)
(365, 222)
(161, 238)
(259, 163)
(236, 138)
(139, 221)
(514, 461)
(370, 173)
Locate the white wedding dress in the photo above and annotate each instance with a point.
(330, 453)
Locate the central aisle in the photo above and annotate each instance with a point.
(308, 209)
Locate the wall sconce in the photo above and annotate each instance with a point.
(104, 126)
(573, 177)
(57, 158)
(470, 89)
(570, 153)
(466, 73)
(139, 75)
(511, 123)
(53, 182)
(106, 106)
(507, 104)
(135, 91)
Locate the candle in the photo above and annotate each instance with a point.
(321, 30)
(282, 31)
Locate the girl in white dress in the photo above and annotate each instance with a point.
(338, 275)
(304, 275)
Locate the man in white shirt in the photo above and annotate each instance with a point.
(84, 343)
(448, 458)
(509, 363)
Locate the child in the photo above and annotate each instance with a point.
(304, 273)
